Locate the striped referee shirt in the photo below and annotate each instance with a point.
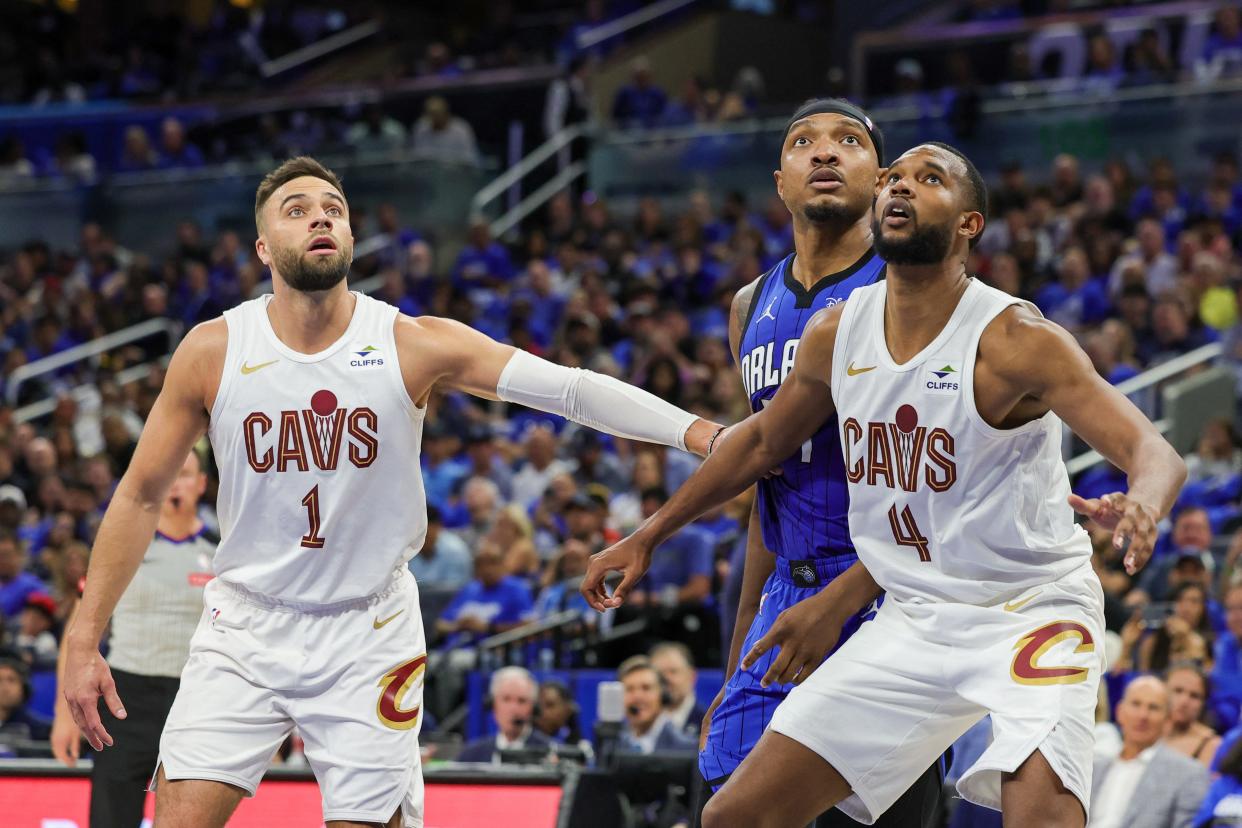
(157, 615)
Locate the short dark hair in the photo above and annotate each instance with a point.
(978, 188)
(303, 165)
(653, 492)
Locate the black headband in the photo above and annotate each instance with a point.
(840, 106)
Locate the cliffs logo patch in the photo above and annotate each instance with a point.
(366, 357)
(943, 378)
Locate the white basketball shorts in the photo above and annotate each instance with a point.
(908, 684)
(349, 677)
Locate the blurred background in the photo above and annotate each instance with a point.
(592, 181)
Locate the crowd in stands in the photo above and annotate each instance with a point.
(1136, 263)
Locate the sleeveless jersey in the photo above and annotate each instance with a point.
(944, 507)
(803, 512)
(156, 616)
(321, 496)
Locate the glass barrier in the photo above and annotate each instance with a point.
(1186, 123)
(429, 194)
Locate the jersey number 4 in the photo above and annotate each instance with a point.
(312, 539)
(906, 531)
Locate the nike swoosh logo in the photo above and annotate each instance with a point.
(1014, 606)
(853, 372)
(378, 623)
(250, 369)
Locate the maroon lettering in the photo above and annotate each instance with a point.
(853, 432)
(363, 427)
(291, 449)
(260, 463)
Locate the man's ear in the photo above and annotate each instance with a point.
(780, 190)
(260, 247)
(972, 225)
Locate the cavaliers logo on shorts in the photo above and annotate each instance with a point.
(396, 683)
(1032, 646)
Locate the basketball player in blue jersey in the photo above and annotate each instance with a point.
(798, 539)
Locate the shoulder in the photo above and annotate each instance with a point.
(206, 338)
(1171, 762)
(821, 328)
(1021, 337)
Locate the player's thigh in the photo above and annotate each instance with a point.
(361, 728)
(194, 803)
(394, 822)
(781, 784)
(1034, 796)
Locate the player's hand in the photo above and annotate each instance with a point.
(66, 740)
(804, 634)
(630, 557)
(707, 719)
(1133, 524)
(87, 677)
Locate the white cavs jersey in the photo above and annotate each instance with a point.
(944, 507)
(321, 497)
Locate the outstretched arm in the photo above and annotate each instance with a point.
(1041, 359)
(177, 420)
(748, 450)
(462, 358)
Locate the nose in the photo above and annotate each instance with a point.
(322, 221)
(825, 153)
(901, 186)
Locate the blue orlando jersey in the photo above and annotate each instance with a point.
(804, 512)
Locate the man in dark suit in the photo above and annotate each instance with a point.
(648, 726)
(1149, 785)
(512, 692)
(673, 661)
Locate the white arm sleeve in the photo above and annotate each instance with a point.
(594, 400)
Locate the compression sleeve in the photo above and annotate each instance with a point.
(594, 400)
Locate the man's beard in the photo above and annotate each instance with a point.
(926, 245)
(314, 273)
(831, 212)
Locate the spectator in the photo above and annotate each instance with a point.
(1226, 693)
(16, 585)
(681, 568)
(485, 460)
(1149, 785)
(1218, 455)
(444, 560)
(443, 470)
(35, 640)
(1149, 62)
(640, 103)
(560, 590)
(540, 466)
(512, 692)
(1222, 53)
(591, 464)
(648, 726)
(568, 101)
(376, 132)
(483, 262)
(442, 135)
(138, 155)
(493, 602)
(676, 666)
(513, 535)
(1220, 806)
(17, 722)
(15, 167)
(1185, 635)
(71, 160)
(480, 500)
(556, 715)
(175, 150)
(1185, 731)
(1158, 268)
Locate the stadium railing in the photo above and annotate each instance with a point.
(1179, 397)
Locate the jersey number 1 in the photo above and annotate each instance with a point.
(312, 539)
(906, 531)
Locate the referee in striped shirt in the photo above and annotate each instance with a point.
(148, 647)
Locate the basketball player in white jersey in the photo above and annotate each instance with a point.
(313, 399)
(950, 397)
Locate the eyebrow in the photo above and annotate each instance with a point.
(932, 164)
(291, 196)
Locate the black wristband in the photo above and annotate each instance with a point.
(712, 442)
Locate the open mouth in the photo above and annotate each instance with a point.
(826, 178)
(898, 213)
(322, 246)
